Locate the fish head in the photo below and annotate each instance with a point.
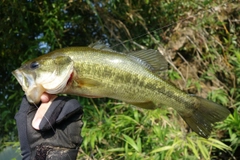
(44, 74)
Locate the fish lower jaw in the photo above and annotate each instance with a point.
(34, 94)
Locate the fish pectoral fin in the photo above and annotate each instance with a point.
(144, 105)
(88, 82)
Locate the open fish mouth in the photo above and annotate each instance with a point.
(24, 80)
(32, 90)
(18, 75)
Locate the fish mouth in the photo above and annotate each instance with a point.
(25, 80)
(32, 90)
(19, 76)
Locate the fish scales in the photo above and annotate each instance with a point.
(128, 79)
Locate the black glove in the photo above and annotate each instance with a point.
(59, 135)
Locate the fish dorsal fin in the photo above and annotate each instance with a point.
(150, 58)
(153, 58)
(99, 45)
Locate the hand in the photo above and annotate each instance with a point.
(46, 100)
(50, 131)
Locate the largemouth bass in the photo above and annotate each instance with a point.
(98, 71)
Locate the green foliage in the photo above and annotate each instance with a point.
(200, 40)
(141, 134)
(233, 126)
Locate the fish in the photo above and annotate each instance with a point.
(97, 71)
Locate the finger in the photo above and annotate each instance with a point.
(46, 97)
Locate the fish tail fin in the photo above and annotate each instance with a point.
(204, 116)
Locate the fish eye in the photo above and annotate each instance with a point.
(34, 65)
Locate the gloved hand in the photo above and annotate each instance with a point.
(58, 137)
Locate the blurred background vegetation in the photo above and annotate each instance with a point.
(200, 40)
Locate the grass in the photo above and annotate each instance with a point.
(120, 131)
